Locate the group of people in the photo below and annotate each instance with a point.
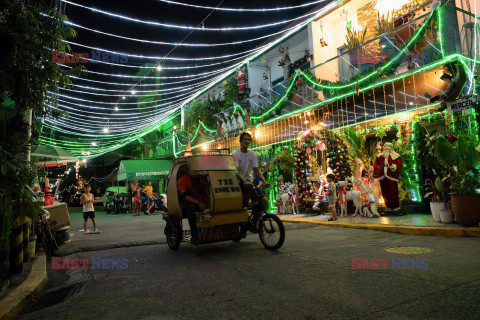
(135, 192)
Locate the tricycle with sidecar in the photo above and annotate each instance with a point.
(226, 219)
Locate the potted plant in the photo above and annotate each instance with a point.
(438, 203)
(433, 192)
(462, 162)
(383, 25)
(354, 39)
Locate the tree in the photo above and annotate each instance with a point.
(28, 35)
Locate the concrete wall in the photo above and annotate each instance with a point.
(334, 31)
(268, 64)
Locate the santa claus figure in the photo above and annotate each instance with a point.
(387, 167)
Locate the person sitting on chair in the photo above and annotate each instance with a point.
(191, 200)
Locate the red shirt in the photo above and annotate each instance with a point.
(185, 183)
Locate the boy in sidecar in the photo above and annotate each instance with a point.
(191, 199)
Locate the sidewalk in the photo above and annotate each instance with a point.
(412, 224)
(16, 299)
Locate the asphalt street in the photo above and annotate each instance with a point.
(310, 277)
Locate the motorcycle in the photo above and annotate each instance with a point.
(159, 204)
(116, 203)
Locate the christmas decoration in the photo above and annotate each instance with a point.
(387, 167)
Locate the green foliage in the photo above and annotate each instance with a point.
(26, 70)
(232, 92)
(286, 160)
(434, 190)
(26, 74)
(355, 38)
(462, 163)
(355, 143)
(383, 24)
(407, 177)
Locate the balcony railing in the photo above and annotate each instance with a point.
(349, 64)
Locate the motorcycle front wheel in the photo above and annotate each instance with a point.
(271, 231)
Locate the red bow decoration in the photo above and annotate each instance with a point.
(299, 82)
(281, 63)
(452, 139)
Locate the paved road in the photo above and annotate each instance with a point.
(311, 277)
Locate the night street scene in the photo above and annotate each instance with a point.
(220, 159)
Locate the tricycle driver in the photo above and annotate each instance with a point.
(191, 199)
(246, 161)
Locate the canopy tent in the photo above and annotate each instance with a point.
(51, 152)
(143, 169)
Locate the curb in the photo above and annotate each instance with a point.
(410, 230)
(12, 305)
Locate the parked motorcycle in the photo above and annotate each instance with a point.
(159, 203)
(116, 203)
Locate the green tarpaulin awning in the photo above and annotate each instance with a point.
(143, 169)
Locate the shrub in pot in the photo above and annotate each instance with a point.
(354, 40)
(383, 25)
(462, 162)
(435, 192)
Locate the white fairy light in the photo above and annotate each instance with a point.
(196, 75)
(164, 57)
(180, 44)
(244, 9)
(176, 26)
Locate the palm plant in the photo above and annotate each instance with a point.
(462, 163)
(355, 38)
(384, 24)
(356, 145)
